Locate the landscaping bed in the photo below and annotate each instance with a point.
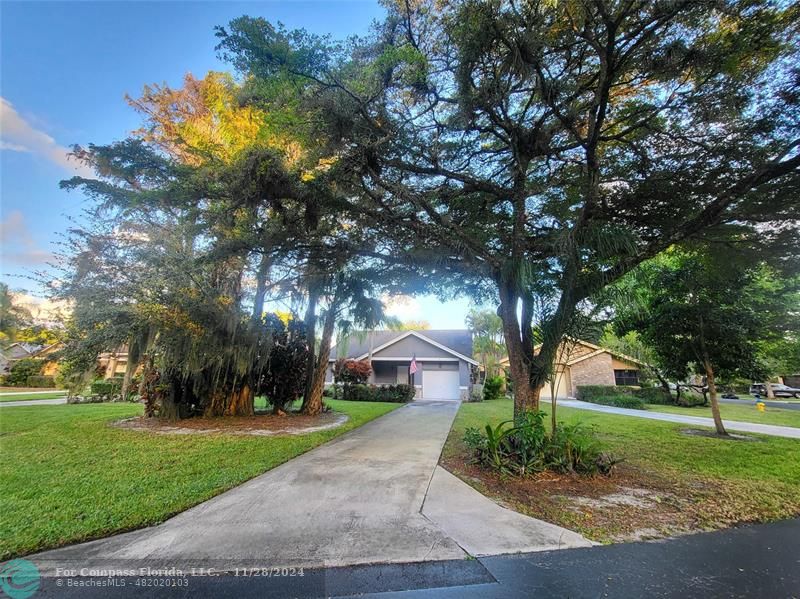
(68, 476)
(669, 482)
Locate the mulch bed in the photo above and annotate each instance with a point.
(629, 505)
(260, 424)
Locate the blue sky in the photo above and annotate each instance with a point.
(66, 67)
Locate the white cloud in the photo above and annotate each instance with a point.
(18, 135)
(18, 246)
(44, 311)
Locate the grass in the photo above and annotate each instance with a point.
(68, 477)
(742, 413)
(30, 396)
(699, 481)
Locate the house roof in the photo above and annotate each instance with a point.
(455, 342)
(596, 350)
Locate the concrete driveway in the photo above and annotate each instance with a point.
(356, 500)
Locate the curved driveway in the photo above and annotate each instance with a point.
(356, 500)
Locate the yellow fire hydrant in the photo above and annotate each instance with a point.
(761, 406)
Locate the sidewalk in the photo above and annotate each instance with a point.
(732, 425)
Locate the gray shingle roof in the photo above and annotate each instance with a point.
(358, 342)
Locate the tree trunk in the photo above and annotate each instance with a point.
(311, 334)
(526, 398)
(712, 392)
(261, 287)
(770, 392)
(236, 402)
(312, 402)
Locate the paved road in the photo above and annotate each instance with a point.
(33, 402)
(753, 561)
(784, 405)
(732, 425)
(356, 500)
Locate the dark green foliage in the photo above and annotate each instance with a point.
(619, 401)
(22, 370)
(493, 388)
(106, 389)
(525, 447)
(654, 395)
(384, 393)
(284, 376)
(589, 392)
(41, 380)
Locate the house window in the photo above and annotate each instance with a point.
(626, 377)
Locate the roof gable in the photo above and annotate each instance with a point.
(457, 343)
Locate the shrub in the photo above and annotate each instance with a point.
(42, 380)
(493, 388)
(654, 395)
(353, 372)
(395, 393)
(476, 393)
(526, 447)
(106, 389)
(587, 392)
(21, 370)
(387, 393)
(620, 401)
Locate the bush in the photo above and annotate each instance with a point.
(620, 401)
(42, 380)
(351, 372)
(526, 447)
(476, 393)
(22, 370)
(493, 388)
(395, 393)
(106, 389)
(588, 392)
(654, 395)
(387, 393)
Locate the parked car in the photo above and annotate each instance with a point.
(778, 390)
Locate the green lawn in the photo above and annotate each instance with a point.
(30, 396)
(67, 476)
(741, 413)
(720, 482)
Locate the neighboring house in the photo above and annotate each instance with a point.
(444, 360)
(15, 352)
(114, 363)
(580, 362)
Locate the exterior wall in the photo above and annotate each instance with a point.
(597, 370)
(412, 346)
(617, 364)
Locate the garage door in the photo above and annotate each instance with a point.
(440, 384)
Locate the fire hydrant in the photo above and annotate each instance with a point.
(761, 406)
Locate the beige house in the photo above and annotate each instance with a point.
(580, 362)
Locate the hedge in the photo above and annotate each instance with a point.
(106, 388)
(387, 393)
(620, 401)
(655, 395)
(589, 392)
(42, 380)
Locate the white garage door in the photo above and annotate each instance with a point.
(440, 384)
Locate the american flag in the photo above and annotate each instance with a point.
(413, 368)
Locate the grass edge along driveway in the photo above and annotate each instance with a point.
(8, 397)
(702, 483)
(69, 477)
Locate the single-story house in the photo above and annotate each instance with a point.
(443, 357)
(19, 351)
(580, 362)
